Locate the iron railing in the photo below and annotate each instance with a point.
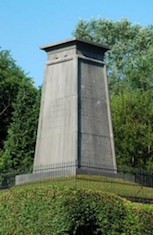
(129, 182)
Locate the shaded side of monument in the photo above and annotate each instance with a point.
(75, 120)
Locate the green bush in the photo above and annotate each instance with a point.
(53, 211)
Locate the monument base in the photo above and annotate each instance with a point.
(71, 169)
(27, 178)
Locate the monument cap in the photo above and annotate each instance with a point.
(77, 46)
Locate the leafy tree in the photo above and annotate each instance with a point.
(130, 79)
(133, 128)
(128, 43)
(19, 107)
(20, 143)
(10, 78)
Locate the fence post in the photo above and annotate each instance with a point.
(75, 169)
(4, 181)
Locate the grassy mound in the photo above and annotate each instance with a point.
(101, 183)
(68, 211)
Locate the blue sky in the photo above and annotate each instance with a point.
(25, 25)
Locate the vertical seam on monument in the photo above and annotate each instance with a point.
(79, 114)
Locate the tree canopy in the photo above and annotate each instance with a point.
(130, 80)
(19, 107)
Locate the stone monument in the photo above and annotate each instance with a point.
(75, 120)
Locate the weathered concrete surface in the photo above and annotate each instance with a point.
(75, 120)
(57, 132)
(45, 174)
(96, 138)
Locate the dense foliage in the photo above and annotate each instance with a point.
(130, 79)
(72, 212)
(19, 108)
(10, 77)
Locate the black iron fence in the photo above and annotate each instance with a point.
(128, 182)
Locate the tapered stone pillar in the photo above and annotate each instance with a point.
(75, 120)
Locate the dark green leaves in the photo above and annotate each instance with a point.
(19, 110)
(71, 212)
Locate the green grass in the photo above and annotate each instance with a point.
(100, 183)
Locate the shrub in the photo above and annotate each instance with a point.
(62, 211)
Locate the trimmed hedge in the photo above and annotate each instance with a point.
(53, 211)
